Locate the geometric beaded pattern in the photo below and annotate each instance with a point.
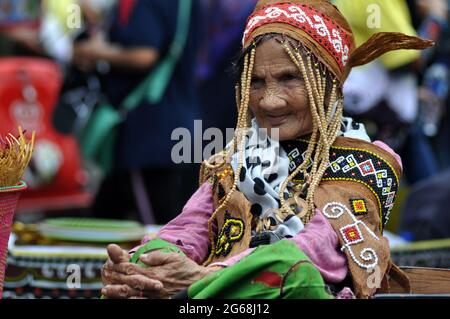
(358, 206)
(321, 28)
(359, 165)
(232, 231)
(352, 235)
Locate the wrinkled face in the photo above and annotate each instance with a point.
(278, 96)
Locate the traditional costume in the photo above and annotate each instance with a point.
(296, 219)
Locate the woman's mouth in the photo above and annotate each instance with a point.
(276, 120)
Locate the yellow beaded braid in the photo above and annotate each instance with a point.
(326, 126)
(239, 137)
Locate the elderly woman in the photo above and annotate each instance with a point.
(295, 214)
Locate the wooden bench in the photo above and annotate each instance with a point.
(425, 282)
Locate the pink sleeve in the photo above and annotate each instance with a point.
(385, 147)
(189, 231)
(320, 243)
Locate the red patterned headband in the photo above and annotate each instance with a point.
(324, 31)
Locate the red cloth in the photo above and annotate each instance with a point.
(125, 10)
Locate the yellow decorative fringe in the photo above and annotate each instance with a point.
(15, 154)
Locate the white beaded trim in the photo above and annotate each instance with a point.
(369, 257)
(315, 22)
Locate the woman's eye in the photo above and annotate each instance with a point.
(289, 77)
(257, 82)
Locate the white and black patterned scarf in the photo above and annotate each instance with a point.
(266, 167)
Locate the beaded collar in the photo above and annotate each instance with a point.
(354, 164)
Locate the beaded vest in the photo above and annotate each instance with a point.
(356, 195)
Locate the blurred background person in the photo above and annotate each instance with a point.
(16, 27)
(432, 20)
(402, 99)
(139, 36)
(425, 214)
(42, 34)
(51, 36)
(50, 27)
(385, 93)
(224, 23)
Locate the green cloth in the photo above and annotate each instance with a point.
(280, 270)
(152, 245)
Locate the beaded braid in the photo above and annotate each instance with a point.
(239, 137)
(325, 124)
(325, 129)
(323, 150)
(309, 152)
(316, 127)
(218, 160)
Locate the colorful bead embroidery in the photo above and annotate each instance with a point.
(358, 206)
(225, 173)
(366, 168)
(232, 231)
(314, 23)
(358, 165)
(352, 234)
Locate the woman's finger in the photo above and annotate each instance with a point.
(138, 282)
(158, 258)
(108, 265)
(138, 290)
(127, 268)
(106, 276)
(121, 274)
(117, 254)
(120, 292)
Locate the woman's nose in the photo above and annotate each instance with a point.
(272, 100)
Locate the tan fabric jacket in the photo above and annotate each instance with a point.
(356, 195)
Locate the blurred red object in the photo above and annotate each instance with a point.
(29, 89)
